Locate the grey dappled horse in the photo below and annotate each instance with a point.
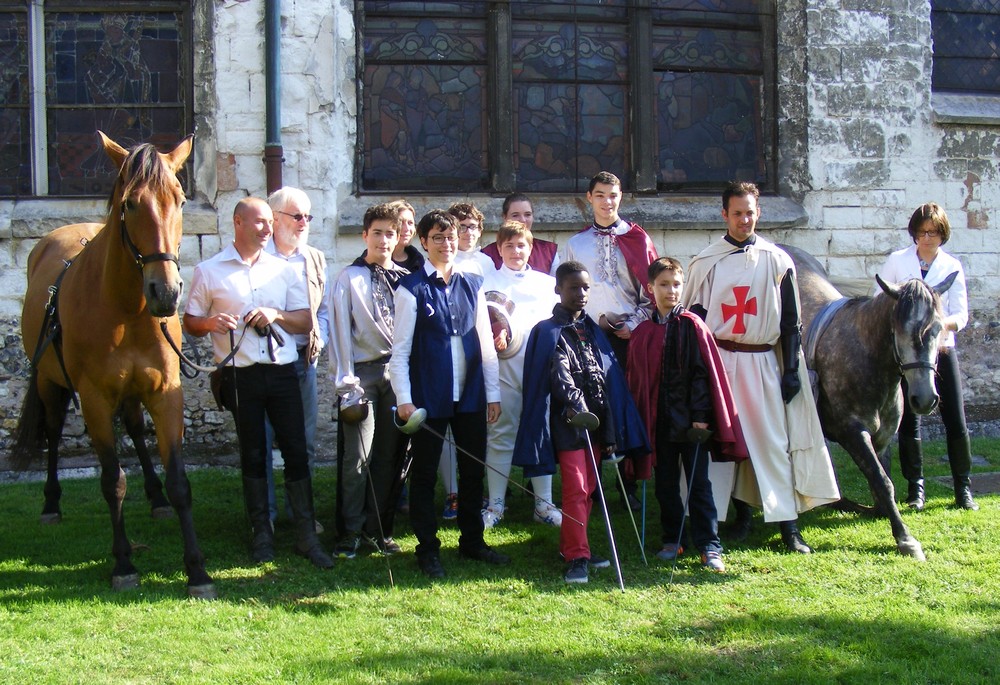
(863, 349)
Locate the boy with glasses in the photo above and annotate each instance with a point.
(443, 360)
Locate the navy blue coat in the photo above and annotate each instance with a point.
(533, 448)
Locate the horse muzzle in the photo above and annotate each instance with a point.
(162, 289)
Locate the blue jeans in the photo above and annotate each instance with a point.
(310, 408)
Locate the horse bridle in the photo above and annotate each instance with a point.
(142, 260)
(931, 366)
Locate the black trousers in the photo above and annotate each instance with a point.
(701, 503)
(469, 431)
(271, 390)
(951, 406)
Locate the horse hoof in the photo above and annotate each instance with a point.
(911, 548)
(126, 582)
(206, 591)
(49, 519)
(162, 512)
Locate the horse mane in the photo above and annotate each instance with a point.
(916, 297)
(143, 168)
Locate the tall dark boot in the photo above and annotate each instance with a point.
(911, 463)
(262, 541)
(792, 538)
(741, 527)
(306, 540)
(960, 458)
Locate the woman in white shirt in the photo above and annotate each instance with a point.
(929, 229)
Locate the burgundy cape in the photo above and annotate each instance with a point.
(542, 254)
(645, 356)
(638, 251)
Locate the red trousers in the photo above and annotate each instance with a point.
(578, 483)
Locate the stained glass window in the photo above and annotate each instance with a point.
(966, 46)
(540, 96)
(123, 69)
(425, 100)
(15, 135)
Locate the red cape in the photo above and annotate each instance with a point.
(645, 355)
(540, 259)
(638, 251)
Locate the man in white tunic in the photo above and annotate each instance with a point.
(531, 296)
(744, 287)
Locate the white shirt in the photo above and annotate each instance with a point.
(298, 261)
(227, 284)
(904, 264)
(474, 262)
(402, 345)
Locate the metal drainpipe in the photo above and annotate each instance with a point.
(273, 152)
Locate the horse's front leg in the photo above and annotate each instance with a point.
(99, 415)
(167, 412)
(135, 427)
(859, 445)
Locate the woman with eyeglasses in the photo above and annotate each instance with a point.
(929, 229)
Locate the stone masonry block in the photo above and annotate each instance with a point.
(851, 242)
(864, 138)
(880, 216)
(981, 266)
(857, 174)
(812, 241)
(843, 217)
(847, 267)
(825, 64)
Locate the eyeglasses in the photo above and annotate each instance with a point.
(441, 239)
(468, 228)
(928, 234)
(298, 217)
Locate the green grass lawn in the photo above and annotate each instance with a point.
(854, 612)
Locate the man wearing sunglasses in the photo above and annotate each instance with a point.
(290, 242)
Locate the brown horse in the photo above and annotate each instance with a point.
(96, 294)
(859, 356)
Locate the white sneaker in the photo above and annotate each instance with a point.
(550, 516)
(491, 517)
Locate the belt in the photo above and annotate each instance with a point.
(733, 346)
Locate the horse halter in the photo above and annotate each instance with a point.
(930, 366)
(140, 259)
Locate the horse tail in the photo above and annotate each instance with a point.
(30, 428)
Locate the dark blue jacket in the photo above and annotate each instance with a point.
(533, 448)
(442, 312)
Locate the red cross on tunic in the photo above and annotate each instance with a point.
(742, 307)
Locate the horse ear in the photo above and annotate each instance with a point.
(179, 155)
(942, 287)
(115, 151)
(890, 289)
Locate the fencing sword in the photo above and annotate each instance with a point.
(621, 483)
(699, 436)
(589, 422)
(418, 420)
(356, 414)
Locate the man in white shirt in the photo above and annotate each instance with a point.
(243, 292)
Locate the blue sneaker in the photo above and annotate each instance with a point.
(670, 552)
(450, 512)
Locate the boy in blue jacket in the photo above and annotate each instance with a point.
(570, 368)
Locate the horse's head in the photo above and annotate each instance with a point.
(917, 322)
(147, 202)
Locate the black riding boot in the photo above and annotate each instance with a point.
(792, 538)
(911, 463)
(306, 540)
(262, 541)
(960, 458)
(741, 527)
